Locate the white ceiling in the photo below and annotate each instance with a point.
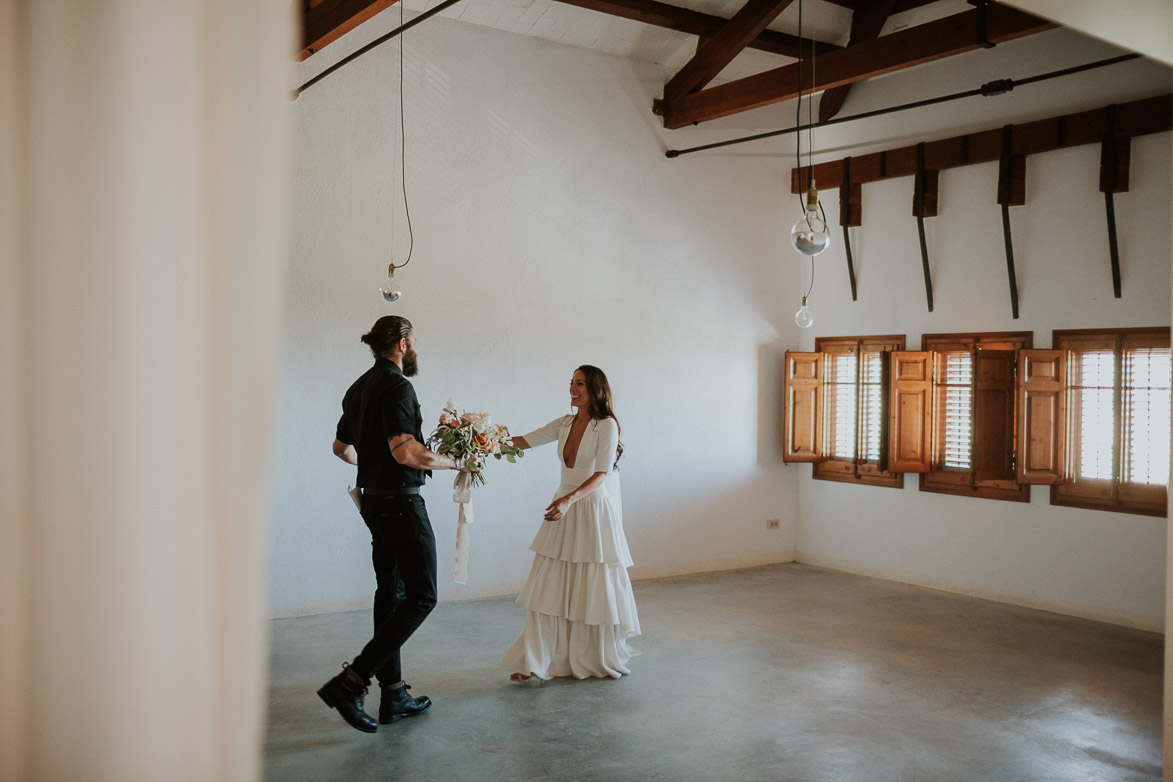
(1144, 26)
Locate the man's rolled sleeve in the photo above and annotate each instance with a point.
(342, 432)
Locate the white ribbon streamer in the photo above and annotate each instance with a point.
(462, 493)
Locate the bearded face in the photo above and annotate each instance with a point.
(411, 362)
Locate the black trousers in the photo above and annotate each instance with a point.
(403, 550)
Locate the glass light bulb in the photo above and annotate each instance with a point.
(388, 291)
(809, 235)
(803, 318)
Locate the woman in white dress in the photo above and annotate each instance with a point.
(580, 607)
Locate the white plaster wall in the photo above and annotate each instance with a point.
(1091, 563)
(550, 231)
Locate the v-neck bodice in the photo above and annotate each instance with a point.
(564, 447)
(596, 449)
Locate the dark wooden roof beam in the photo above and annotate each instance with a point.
(719, 50)
(684, 20)
(893, 52)
(866, 24)
(325, 21)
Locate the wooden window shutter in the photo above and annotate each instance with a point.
(885, 402)
(993, 415)
(1042, 405)
(911, 412)
(953, 407)
(871, 445)
(802, 427)
(1145, 404)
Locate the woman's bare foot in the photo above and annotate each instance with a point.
(519, 677)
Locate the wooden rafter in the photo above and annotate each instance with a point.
(325, 21)
(717, 51)
(899, 50)
(866, 24)
(684, 20)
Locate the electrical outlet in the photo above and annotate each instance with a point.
(772, 523)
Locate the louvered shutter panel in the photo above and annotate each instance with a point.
(1092, 408)
(871, 447)
(911, 411)
(1144, 462)
(993, 415)
(1042, 406)
(955, 400)
(802, 427)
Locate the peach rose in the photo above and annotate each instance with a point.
(479, 421)
(482, 441)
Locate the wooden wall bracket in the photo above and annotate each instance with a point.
(850, 214)
(1115, 157)
(1011, 192)
(1112, 127)
(1136, 118)
(924, 204)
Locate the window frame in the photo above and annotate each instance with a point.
(831, 468)
(964, 483)
(1105, 494)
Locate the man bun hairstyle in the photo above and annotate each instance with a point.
(387, 330)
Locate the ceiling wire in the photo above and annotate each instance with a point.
(798, 107)
(809, 137)
(402, 160)
(810, 287)
(810, 103)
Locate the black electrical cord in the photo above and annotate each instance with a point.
(402, 155)
(798, 110)
(810, 287)
(809, 139)
(988, 89)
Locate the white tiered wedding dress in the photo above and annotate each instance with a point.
(580, 607)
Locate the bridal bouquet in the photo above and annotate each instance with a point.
(472, 438)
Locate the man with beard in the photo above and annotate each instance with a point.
(380, 433)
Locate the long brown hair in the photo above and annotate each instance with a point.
(600, 405)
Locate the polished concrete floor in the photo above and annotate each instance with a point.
(787, 672)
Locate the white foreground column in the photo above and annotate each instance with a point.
(143, 208)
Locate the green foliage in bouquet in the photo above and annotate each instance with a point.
(472, 438)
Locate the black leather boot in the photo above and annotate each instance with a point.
(345, 692)
(395, 703)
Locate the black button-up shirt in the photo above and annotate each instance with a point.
(381, 405)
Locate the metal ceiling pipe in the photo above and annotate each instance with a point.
(378, 41)
(997, 87)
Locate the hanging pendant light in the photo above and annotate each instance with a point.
(389, 289)
(803, 318)
(809, 235)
